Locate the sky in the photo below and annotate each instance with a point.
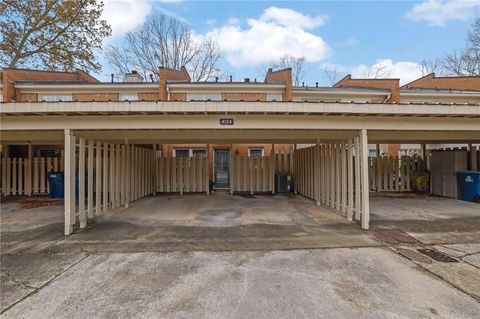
(353, 37)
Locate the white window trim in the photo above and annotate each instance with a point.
(189, 149)
(256, 148)
(128, 96)
(57, 97)
(274, 97)
(204, 96)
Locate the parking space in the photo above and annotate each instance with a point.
(430, 219)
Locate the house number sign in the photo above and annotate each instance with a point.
(226, 121)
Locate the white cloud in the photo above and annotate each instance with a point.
(277, 32)
(385, 68)
(290, 18)
(438, 12)
(125, 15)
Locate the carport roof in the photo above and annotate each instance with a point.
(223, 107)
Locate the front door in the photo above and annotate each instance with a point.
(222, 168)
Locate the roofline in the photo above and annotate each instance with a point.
(35, 88)
(335, 91)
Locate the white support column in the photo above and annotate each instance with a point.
(98, 179)
(344, 177)
(105, 176)
(364, 178)
(316, 166)
(81, 184)
(295, 169)
(272, 167)
(350, 180)
(69, 182)
(357, 178)
(28, 171)
(231, 168)
(207, 171)
(127, 173)
(90, 179)
(155, 170)
(4, 169)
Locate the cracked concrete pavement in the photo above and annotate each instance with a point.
(146, 262)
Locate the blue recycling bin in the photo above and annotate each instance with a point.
(56, 184)
(468, 183)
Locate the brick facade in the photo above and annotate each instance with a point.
(27, 97)
(285, 76)
(166, 74)
(446, 83)
(148, 96)
(9, 76)
(97, 97)
(178, 97)
(237, 149)
(250, 97)
(392, 84)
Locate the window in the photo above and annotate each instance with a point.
(255, 152)
(274, 98)
(55, 97)
(1, 97)
(182, 153)
(199, 153)
(128, 97)
(204, 97)
(190, 152)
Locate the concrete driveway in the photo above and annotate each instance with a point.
(177, 257)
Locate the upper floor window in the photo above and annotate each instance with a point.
(204, 97)
(54, 97)
(274, 97)
(255, 152)
(128, 97)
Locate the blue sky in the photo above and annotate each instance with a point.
(350, 36)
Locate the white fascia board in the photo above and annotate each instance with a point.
(225, 88)
(87, 88)
(413, 109)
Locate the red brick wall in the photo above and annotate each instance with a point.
(178, 96)
(97, 97)
(9, 76)
(26, 97)
(148, 96)
(167, 149)
(392, 84)
(455, 83)
(282, 75)
(251, 97)
(165, 75)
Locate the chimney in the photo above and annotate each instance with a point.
(112, 75)
(133, 77)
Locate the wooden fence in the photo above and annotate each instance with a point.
(28, 176)
(332, 175)
(252, 174)
(394, 174)
(182, 174)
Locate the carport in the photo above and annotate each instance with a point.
(105, 144)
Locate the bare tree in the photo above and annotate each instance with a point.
(164, 41)
(430, 66)
(466, 61)
(332, 74)
(298, 66)
(377, 71)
